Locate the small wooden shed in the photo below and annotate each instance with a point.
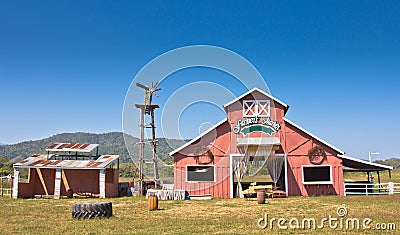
(65, 169)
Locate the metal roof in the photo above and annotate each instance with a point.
(45, 161)
(68, 147)
(361, 165)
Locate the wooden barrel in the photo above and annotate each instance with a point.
(261, 197)
(152, 202)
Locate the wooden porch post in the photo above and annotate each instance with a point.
(286, 176)
(57, 184)
(379, 182)
(102, 183)
(15, 184)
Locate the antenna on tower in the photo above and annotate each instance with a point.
(147, 108)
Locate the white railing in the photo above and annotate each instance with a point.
(396, 187)
(371, 188)
(5, 192)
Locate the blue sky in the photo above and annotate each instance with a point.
(65, 66)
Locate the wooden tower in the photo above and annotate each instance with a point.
(147, 108)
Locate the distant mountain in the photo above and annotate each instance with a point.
(394, 162)
(109, 143)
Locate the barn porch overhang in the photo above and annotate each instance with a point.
(263, 141)
(368, 186)
(264, 146)
(355, 164)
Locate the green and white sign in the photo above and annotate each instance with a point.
(256, 124)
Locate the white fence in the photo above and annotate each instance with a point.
(4, 190)
(371, 188)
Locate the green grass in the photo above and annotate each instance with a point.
(217, 216)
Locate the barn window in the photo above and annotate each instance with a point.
(200, 173)
(253, 108)
(24, 175)
(317, 174)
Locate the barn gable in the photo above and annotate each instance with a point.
(298, 140)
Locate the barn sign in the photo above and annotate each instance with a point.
(256, 124)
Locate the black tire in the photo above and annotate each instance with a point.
(92, 210)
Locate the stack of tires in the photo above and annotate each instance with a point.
(92, 210)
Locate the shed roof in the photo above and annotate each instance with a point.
(68, 147)
(42, 161)
(361, 165)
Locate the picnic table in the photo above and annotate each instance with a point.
(252, 190)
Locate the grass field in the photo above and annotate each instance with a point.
(217, 216)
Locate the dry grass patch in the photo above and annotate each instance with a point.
(217, 216)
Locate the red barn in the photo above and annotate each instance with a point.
(256, 134)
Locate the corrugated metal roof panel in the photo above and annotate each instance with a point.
(68, 147)
(52, 146)
(41, 161)
(84, 146)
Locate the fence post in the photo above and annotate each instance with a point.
(344, 189)
(391, 188)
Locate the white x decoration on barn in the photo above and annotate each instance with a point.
(252, 108)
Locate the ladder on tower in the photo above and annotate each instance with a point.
(147, 108)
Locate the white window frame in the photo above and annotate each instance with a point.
(317, 182)
(258, 108)
(213, 166)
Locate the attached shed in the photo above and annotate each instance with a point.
(67, 168)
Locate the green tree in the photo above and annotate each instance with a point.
(6, 166)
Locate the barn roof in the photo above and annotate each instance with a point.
(45, 161)
(262, 92)
(225, 119)
(313, 136)
(198, 137)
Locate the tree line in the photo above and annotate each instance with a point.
(109, 143)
